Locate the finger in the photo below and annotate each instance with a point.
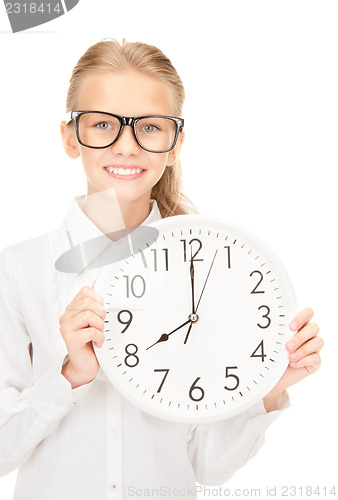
(87, 291)
(86, 304)
(301, 318)
(306, 333)
(312, 346)
(92, 334)
(83, 336)
(311, 362)
(83, 319)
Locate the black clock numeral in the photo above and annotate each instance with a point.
(259, 282)
(165, 250)
(133, 285)
(265, 316)
(135, 360)
(193, 257)
(228, 250)
(228, 375)
(195, 387)
(120, 320)
(262, 355)
(165, 376)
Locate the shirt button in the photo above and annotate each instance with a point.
(113, 433)
(113, 486)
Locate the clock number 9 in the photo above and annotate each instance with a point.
(227, 375)
(125, 322)
(196, 388)
(132, 355)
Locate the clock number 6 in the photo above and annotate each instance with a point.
(196, 388)
(228, 375)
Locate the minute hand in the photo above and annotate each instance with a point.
(199, 300)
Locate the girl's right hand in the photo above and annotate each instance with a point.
(82, 323)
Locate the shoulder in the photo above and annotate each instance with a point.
(28, 253)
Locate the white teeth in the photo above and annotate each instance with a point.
(124, 171)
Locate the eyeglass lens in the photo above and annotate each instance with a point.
(100, 130)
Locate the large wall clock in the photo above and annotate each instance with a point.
(197, 320)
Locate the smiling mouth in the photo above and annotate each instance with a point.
(124, 172)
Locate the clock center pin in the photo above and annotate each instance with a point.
(193, 317)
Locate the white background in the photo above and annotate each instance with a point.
(261, 150)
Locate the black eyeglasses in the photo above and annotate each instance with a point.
(154, 133)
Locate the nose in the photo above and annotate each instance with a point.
(126, 144)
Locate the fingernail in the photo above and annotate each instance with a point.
(291, 346)
(293, 326)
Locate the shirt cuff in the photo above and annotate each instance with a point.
(256, 419)
(52, 396)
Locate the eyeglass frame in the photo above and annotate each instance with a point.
(125, 120)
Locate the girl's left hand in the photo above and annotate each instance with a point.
(304, 348)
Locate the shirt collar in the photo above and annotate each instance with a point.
(80, 228)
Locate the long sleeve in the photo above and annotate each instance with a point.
(29, 409)
(218, 450)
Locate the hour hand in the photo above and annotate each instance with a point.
(165, 336)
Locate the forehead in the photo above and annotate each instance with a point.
(127, 93)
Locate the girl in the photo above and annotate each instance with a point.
(70, 432)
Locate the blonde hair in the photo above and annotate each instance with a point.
(110, 55)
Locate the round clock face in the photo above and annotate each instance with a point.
(196, 320)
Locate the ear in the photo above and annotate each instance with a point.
(69, 140)
(175, 153)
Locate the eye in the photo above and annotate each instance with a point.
(150, 128)
(103, 125)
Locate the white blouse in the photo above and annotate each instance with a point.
(90, 443)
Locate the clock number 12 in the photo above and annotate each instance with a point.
(190, 243)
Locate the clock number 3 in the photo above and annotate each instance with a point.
(266, 316)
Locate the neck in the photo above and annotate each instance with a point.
(111, 215)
